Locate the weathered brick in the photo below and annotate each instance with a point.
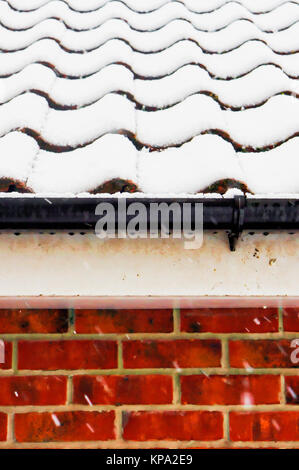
(173, 425)
(264, 426)
(171, 353)
(5, 354)
(34, 390)
(291, 319)
(292, 389)
(230, 390)
(261, 353)
(137, 388)
(229, 320)
(33, 321)
(118, 390)
(54, 355)
(65, 426)
(3, 426)
(124, 321)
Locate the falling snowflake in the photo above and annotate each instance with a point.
(88, 400)
(56, 420)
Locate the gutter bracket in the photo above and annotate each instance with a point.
(237, 221)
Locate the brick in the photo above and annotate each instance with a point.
(292, 389)
(230, 390)
(32, 390)
(172, 425)
(118, 390)
(124, 321)
(291, 319)
(264, 426)
(3, 426)
(33, 321)
(229, 320)
(54, 355)
(171, 353)
(65, 426)
(5, 355)
(261, 353)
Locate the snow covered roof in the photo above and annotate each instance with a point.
(155, 96)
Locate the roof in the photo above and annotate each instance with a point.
(150, 96)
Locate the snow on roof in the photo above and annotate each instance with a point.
(150, 96)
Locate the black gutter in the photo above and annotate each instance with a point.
(232, 214)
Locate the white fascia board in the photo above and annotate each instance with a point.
(83, 270)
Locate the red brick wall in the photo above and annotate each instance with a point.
(149, 378)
